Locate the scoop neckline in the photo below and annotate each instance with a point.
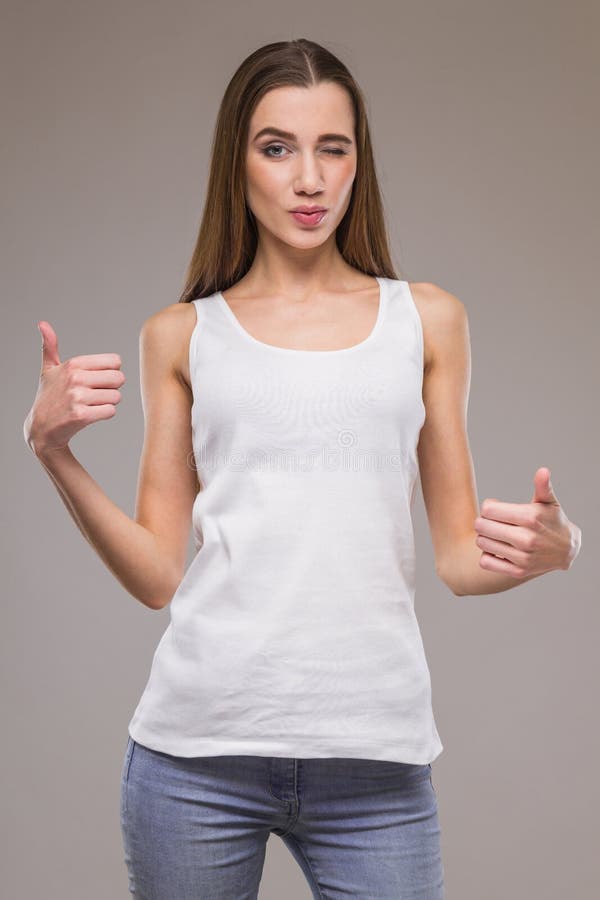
(224, 305)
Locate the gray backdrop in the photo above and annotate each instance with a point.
(486, 139)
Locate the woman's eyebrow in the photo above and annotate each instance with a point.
(288, 135)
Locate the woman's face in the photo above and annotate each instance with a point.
(303, 167)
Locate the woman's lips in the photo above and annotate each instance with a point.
(310, 218)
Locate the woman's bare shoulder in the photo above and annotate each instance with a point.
(168, 332)
(441, 313)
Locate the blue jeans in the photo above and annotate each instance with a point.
(196, 828)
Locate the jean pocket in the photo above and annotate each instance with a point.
(125, 773)
(431, 780)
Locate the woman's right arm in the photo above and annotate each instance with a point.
(145, 553)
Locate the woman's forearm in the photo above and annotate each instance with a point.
(465, 577)
(128, 549)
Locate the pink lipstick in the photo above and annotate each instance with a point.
(309, 218)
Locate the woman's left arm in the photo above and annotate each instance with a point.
(501, 545)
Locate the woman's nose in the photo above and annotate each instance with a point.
(308, 175)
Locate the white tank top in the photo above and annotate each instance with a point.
(293, 632)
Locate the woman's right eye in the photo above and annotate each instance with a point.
(273, 147)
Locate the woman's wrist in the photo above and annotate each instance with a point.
(49, 455)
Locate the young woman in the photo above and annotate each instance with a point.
(291, 398)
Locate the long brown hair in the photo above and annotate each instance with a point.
(227, 238)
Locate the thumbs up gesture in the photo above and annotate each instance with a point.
(526, 539)
(71, 394)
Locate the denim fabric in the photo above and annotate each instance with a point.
(196, 828)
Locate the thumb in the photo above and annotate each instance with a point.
(544, 492)
(50, 355)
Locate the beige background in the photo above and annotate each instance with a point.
(485, 125)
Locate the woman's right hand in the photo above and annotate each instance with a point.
(70, 395)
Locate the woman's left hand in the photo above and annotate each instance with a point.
(525, 539)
